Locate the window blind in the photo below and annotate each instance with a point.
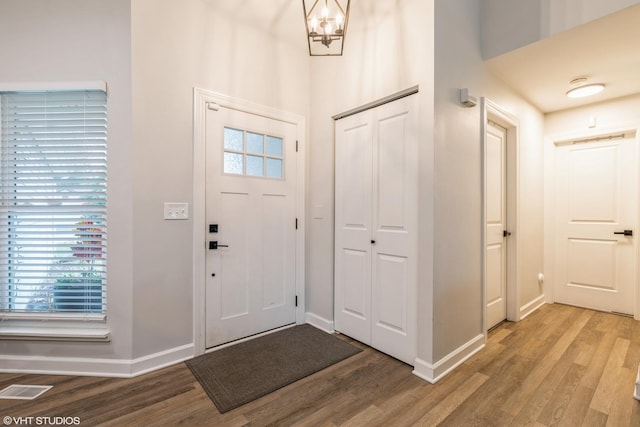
(53, 184)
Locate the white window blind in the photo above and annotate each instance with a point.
(53, 184)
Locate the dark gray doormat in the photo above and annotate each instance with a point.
(243, 372)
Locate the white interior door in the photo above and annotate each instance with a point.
(250, 197)
(376, 227)
(496, 233)
(596, 198)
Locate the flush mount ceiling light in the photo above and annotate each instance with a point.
(580, 88)
(326, 22)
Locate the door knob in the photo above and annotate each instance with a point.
(214, 245)
(506, 233)
(624, 233)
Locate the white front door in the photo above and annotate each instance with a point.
(376, 227)
(496, 225)
(596, 196)
(251, 224)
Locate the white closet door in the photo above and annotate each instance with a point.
(376, 227)
(353, 226)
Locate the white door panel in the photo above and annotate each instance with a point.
(250, 283)
(496, 225)
(395, 219)
(596, 197)
(353, 227)
(376, 227)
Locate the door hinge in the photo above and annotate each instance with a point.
(296, 300)
(296, 223)
(296, 145)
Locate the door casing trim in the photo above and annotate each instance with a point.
(201, 102)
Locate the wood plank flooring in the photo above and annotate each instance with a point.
(561, 366)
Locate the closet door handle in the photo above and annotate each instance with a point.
(624, 233)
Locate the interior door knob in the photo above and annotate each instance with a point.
(213, 244)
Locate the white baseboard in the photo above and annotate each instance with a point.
(118, 368)
(435, 372)
(532, 306)
(319, 322)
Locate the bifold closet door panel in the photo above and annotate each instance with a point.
(353, 226)
(395, 223)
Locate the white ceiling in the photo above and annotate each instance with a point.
(606, 51)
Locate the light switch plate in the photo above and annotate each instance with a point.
(176, 210)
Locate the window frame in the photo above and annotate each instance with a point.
(49, 325)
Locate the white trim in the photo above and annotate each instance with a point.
(492, 111)
(52, 86)
(532, 306)
(48, 365)
(201, 99)
(435, 372)
(320, 322)
(52, 317)
(45, 332)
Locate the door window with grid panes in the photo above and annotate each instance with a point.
(253, 154)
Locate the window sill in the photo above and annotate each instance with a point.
(35, 330)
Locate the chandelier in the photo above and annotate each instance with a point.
(326, 22)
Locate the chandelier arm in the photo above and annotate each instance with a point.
(339, 7)
(315, 3)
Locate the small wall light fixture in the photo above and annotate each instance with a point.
(466, 99)
(326, 22)
(581, 88)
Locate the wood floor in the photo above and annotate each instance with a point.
(562, 366)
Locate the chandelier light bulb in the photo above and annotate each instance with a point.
(339, 19)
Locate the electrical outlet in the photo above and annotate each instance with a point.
(176, 210)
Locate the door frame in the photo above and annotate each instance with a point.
(493, 112)
(550, 146)
(202, 101)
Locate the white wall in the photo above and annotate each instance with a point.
(610, 116)
(81, 40)
(458, 182)
(381, 58)
(388, 48)
(151, 53)
(165, 47)
(178, 44)
(511, 24)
